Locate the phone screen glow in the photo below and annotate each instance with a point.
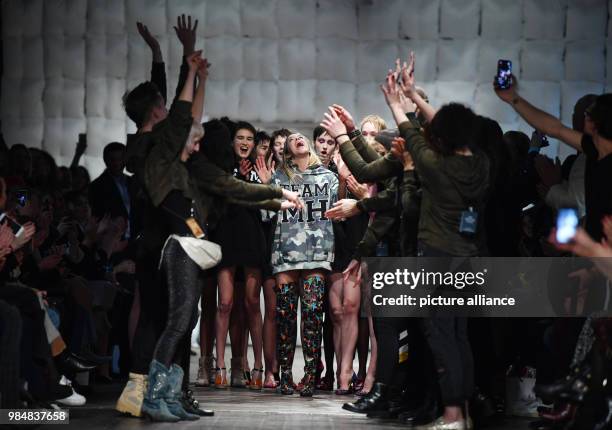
(567, 221)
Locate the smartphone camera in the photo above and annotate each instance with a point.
(503, 79)
(567, 222)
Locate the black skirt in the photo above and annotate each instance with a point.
(347, 235)
(239, 233)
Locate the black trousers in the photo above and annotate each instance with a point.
(10, 339)
(153, 297)
(448, 339)
(181, 275)
(415, 375)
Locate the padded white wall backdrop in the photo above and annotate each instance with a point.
(68, 62)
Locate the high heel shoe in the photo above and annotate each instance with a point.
(256, 379)
(308, 386)
(326, 383)
(286, 383)
(221, 377)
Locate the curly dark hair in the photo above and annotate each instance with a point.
(452, 128)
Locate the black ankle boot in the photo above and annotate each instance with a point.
(192, 406)
(376, 400)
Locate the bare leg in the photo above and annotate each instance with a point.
(371, 375)
(337, 314)
(350, 328)
(237, 323)
(269, 331)
(252, 300)
(225, 281)
(363, 343)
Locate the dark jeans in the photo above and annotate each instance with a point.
(181, 275)
(447, 337)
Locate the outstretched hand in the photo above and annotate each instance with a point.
(407, 80)
(392, 91)
(345, 117)
(333, 124)
(343, 209)
(186, 33)
(149, 39)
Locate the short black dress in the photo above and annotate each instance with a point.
(239, 233)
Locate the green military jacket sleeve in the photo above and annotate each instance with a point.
(210, 178)
(268, 204)
(375, 171)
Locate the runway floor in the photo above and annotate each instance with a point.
(242, 409)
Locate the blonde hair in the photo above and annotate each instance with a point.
(289, 167)
(196, 132)
(376, 120)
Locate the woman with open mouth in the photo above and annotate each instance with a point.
(243, 245)
(302, 254)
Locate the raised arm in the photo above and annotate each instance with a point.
(186, 34)
(408, 87)
(197, 109)
(158, 70)
(538, 119)
(368, 153)
(212, 179)
(380, 169)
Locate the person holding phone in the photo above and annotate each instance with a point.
(595, 142)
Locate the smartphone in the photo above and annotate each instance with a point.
(22, 197)
(542, 137)
(503, 79)
(15, 226)
(567, 222)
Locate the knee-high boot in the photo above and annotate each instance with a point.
(313, 289)
(286, 320)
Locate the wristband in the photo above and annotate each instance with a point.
(353, 134)
(343, 134)
(515, 100)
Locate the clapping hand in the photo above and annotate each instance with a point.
(264, 169)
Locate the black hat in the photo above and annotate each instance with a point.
(386, 136)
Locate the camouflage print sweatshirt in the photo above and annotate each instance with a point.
(304, 239)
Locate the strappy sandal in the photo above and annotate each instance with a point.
(220, 377)
(256, 379)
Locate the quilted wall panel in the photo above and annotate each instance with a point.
(67, 63)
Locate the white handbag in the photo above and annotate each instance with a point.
(204, 253)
